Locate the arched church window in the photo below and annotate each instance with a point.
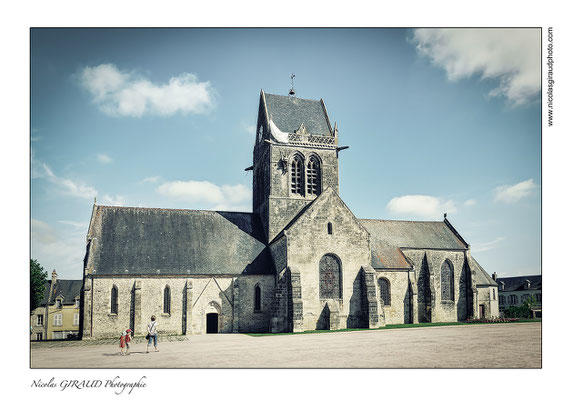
(384, 285)
(296, 176)
(329, 277)
(313, 176)
(257, 298)
(447, 279)
(167, 300)
(113, 307)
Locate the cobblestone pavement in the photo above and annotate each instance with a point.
(459, 346)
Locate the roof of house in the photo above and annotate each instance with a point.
(151, 241)
(481, 277)
(288, 113)
(67, 288)
(514, 283)
(389, 237)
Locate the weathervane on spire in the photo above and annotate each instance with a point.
(291, 92)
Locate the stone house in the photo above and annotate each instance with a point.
(515, 290)
(58, 316)
(300, 261)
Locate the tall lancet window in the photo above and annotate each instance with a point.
(313, 176)
(296, 176)
(113, 305)
(167, 300)
(447, 278)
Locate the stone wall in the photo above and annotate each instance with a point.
(308, 241)
(398, 311)
(192, 298)
(442, 310)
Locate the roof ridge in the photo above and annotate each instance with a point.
(173, 209)
(399, 220)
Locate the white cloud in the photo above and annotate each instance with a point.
(470, 202)
(62, 250)
(511, 194)
(479, 247)
(125, 93)
(104, 158)
(151, 179)
(75, 224)
(66, 186)
(512, 56)
(113, 200)
(223, 198)
(420, 206)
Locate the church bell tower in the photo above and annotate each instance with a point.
(295, 158)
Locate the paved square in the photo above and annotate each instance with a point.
(515, 345)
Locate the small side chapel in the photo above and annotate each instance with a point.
(300, 261)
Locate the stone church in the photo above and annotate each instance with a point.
(300, 261)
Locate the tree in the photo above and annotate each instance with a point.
(523, 311)
(37, 284)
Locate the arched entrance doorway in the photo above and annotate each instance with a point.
(212, 323)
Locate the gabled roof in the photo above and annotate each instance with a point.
(514, 283)
(288, 113)
(389, 237)
(481, 276)
(67, 288)
(151, 241)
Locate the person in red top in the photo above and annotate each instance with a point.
(124, 340)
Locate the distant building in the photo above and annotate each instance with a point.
(513, 291)
(58, 316)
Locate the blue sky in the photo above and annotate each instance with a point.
(437, 121)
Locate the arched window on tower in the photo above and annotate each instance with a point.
(330, 273)
(167, 300)
(313, 185)
(384, 285)
(257, 298)
(113, 306)
(297, 175)
(447, 279)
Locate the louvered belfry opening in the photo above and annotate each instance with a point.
(313, 176)
(296, 176)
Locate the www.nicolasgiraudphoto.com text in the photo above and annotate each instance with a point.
(550, 81)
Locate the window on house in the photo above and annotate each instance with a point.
(76, 319)
(494, 294)
(501, 299)
(39, 320)
(113, 308)
(447, 279)
(59, 303)
(58, 319)
(329, 227)
(39, 336)
(329, 277)
(167, 300)
(538, 298)
(296, 176)
(77, 303)
(257, 298)
(384, 285)
(313, 176)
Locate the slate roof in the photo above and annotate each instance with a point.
(131, 240)
(515, 283)
(481, 277)
(387, 237)
(68, 288)
(288, 113)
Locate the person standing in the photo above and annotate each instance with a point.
(152, 334)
